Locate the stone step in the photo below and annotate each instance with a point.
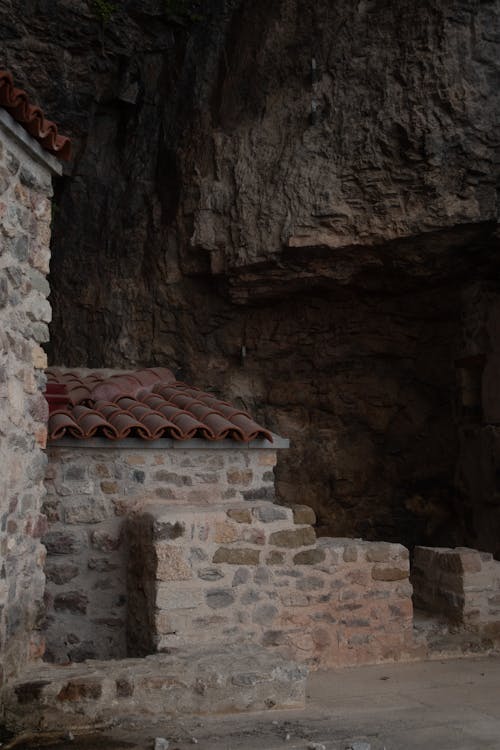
(206, 681)
(437, 638)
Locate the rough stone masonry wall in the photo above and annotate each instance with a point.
(25, 213)
(210, 558)
(462, 584)
(255, 572)
(91, 494)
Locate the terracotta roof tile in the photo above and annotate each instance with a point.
(17, 103)
(149, 404)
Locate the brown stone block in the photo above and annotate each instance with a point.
(303, 514)
(388, 573)
(136, 459)
(78, 690)
(235, 556)
(302, 537)
(242, 477)
(267, 458)
(109, 488)
(226, 532)
(309, 557)
(240, 515)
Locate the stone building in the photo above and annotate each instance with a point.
(153, 571)
(168, 559)
(163, 533)
(29, 144)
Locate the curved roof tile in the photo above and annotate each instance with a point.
(17, 103)
(149, 404)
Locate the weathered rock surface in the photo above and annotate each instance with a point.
(295, 204)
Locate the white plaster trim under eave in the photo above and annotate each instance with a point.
(24, 139)
(135, 444)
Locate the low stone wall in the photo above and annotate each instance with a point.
(91, 493)
(203, 680)
(153, 548)
(255, 572)
(25, 213)
(463, 584)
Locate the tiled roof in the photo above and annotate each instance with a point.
(31, 117)
(148, 404)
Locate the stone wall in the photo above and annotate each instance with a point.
(91, 493)
(151, 549)
(462, 584)
(255, 572)
(25, 214)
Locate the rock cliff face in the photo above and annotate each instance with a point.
(293, 202)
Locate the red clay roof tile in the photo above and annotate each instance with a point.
(150, 404)
(31, 117)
